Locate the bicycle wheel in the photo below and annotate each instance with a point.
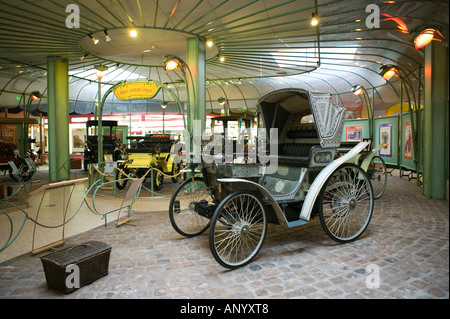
(377, 173)
(346, 203)
(183, 216)
(238, 229)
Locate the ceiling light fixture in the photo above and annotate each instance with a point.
(221, 59)
(173, 64)
(388, 71)
(315, 19)
(357, 90)
(83, 56)
(133, 32)
(209, 43)
(108, 38)
(423, 35)
(100, 71)
(222, 101)
(95, 40)
(36, 95)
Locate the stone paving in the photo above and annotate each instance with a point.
(407, 244)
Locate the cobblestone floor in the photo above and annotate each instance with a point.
(407, 241)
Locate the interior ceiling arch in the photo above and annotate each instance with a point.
(266, 45)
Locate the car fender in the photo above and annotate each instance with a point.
(323, 176)
(252, 185)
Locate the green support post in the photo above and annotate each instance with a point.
(435, 138)
(196, 62)
(58, 118)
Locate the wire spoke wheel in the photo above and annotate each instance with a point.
(185, 220)
(122, 179)
(346, 203)
(238, 229)
(158, 178)
(377, 173)
(175, 172)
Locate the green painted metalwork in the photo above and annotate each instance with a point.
(436, 151)
(58, 118)
(195, 60)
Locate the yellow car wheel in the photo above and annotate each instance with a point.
(175, 172)
(158, 178)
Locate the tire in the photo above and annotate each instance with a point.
(377, 173)
(175, 171)
(25, 175)
(158, 178)
(25, 172)
(237, 231)
(12, 175)
(184, 219)
(346, 203)
(85, 164)
(122, 179)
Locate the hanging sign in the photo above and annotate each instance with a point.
(137, 90)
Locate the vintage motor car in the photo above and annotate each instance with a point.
(303, 179)
(147, 152)
(9, 153)
(110, 142)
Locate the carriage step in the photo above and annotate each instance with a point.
(296, 223)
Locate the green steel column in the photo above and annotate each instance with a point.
(435, 141)
(58, 118)
(196, 60)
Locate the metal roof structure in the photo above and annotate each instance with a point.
(265, 45)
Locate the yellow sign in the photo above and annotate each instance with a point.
(132, 91)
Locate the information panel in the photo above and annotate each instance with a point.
(386, 132)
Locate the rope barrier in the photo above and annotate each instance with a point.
(97, 184)
(131, 177)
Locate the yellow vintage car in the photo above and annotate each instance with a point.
(157, 151)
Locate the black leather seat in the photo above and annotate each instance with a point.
(297, 154)
(294, 154)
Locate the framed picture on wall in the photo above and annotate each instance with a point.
(78, 140)
(353, 133)
(408, 144)
(385, 137)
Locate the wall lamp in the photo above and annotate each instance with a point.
(423, 35)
